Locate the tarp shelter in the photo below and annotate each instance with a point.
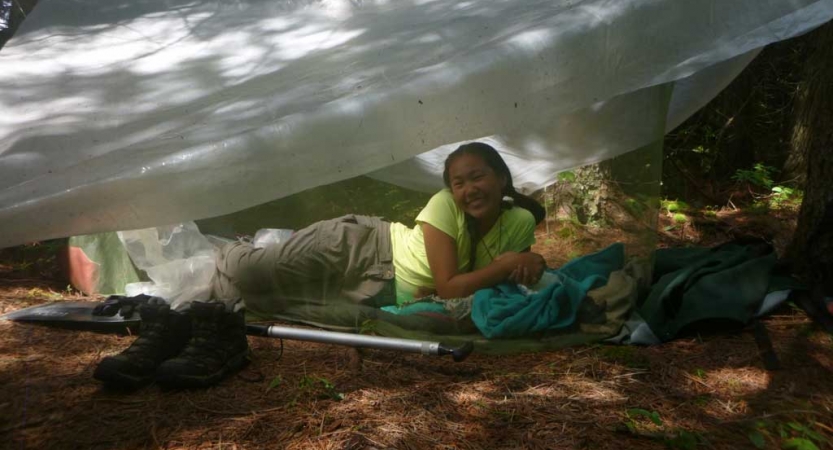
(123, 114)
(129, 114)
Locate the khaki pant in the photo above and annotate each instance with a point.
(348, 259)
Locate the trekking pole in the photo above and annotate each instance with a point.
(359, 340)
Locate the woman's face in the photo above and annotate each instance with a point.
(476, 188)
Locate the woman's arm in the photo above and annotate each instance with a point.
(442, 259)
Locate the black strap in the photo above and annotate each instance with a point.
(123, 305)
(765, 349)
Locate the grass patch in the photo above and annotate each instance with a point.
(674, 206)
(790, 435)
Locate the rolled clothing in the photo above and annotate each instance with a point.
(348, 259)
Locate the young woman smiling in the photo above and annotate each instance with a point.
(474, 234)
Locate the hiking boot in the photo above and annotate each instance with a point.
(163, 334)
(218, 347)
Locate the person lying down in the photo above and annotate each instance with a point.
(475, 233)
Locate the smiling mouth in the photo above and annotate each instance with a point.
(475, 202)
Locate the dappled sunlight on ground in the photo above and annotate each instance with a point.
(738, 381)
(313, 396)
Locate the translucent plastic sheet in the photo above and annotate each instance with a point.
(123, 115)
(179, 260)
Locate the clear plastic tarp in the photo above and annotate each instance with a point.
(128, 114)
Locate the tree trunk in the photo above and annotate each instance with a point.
(811, 250)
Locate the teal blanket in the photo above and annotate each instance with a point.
(690, 285)
(507, 311)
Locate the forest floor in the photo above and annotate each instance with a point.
(708, 391)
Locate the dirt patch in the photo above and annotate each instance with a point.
(712, 390)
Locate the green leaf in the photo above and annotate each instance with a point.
(631, 412)
(685, 440)
(814, 436)
(306, 382)
(799, 444)
(653, 416)
(329, 389)
(274, 383)
(327, 383)
(567, 176)
(757, 439)
(796, 426)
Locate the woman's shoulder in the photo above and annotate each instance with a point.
(442, 200)
(443, 194)
(443, 213)
(520, 215)
(441, 204)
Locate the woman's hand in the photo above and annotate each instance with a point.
(423, 292)
(528, 267)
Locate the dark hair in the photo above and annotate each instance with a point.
(492, 159)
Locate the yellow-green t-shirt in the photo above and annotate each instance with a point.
(513, 231)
